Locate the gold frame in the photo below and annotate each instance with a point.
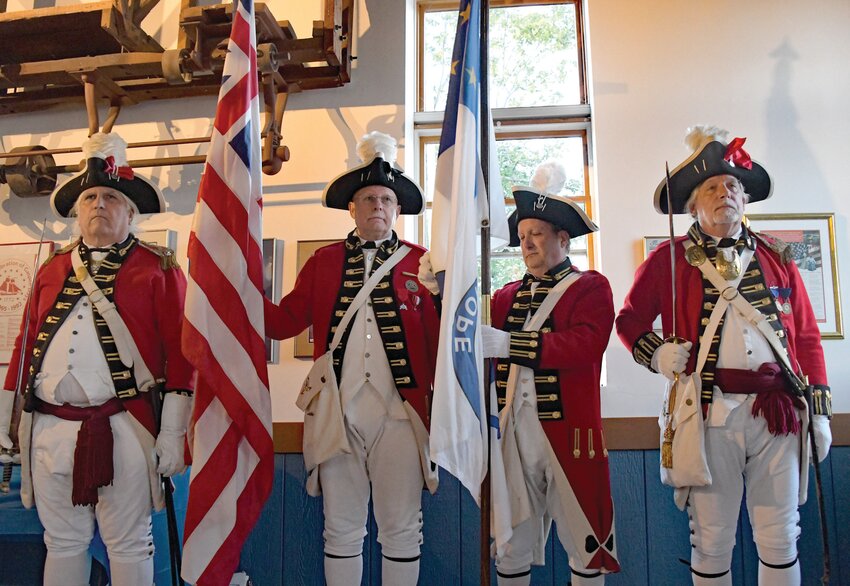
(824, 224)
(306, 248)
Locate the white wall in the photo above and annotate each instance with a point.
(772, 71)
(321, 128)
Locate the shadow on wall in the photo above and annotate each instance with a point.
(782, 122)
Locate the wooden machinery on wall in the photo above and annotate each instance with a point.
(98, 54)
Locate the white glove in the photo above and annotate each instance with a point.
(172, 434)
(7, 403)
(823, 435)
(426, 274)
(671, 359)
(495, 342)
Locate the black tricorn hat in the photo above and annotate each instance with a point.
(378, 151)
(712, 157)
(106, 165)
(541, 203)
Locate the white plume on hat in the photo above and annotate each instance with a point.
(549, 177)
(377, 143)
(102, 145)
(699, 135)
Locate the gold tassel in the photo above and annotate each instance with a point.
(667, 443)
(667, 448)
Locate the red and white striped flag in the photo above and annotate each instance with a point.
(223, 335)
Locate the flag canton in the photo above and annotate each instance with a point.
(464, 83)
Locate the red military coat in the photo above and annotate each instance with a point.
(149, 300)
(312, 301)
(581, 327)
(651, 295)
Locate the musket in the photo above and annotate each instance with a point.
(22, 352)
(669, 432)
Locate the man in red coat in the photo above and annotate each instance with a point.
(751, 405)
(548, 388)
(384, 362)
(90, 448)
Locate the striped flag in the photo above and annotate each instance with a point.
(458, 419)
(223, 335)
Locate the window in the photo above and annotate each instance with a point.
(537, 97)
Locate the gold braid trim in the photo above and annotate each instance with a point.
(167, 258)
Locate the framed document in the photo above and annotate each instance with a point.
(19, 262)
(811, 238)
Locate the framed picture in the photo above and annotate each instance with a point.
(304, 340)
(19, 262)
(272, 271)
(167, 238)
(812, 241)
(650, 243)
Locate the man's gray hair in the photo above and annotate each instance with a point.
(690, 205)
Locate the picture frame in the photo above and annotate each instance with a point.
(165, 237)
(19, 261)
(272, 271)
(650, 243)
(811, 237)
(306, 248)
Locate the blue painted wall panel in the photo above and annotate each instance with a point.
(286, 546)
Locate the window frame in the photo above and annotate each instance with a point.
(511, 123)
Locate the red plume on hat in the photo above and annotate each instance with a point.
(712, 156)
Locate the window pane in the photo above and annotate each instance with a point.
(533, 57)
(519, 157)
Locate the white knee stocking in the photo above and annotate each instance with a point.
(131, 573)
(67, 571)
(343, 571)
(514, 578)
(399, 573)
(779, 575)
(587, 578)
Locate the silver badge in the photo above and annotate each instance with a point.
(540, 204)
(411, 285)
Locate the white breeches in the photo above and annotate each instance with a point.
(123, 511)
(744, 454)
(542, 473)
(384, 461)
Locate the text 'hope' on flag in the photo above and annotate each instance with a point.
(223, 336)
(458, 419)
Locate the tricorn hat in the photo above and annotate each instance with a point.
(377, 151)
(541, 202)
(106, 165)
(712, 156)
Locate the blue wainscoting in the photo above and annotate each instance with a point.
(285, 547)
(652, 533)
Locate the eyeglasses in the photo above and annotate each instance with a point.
(386, 200)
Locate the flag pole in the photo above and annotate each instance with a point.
(484, 115)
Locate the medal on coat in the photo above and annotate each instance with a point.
(729, 268)
(782, 298)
